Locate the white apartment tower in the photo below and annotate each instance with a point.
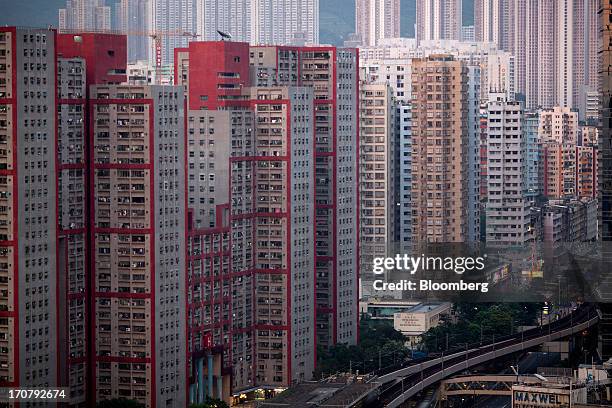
(494, 22)
(172, 16)
(230, 16)
(556, 44)
(438, 20)
(377, 164)
(376, 19)
(507, 213)
(85, 15)
(132, 17)
(284, 22)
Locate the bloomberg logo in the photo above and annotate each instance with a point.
(537, 398)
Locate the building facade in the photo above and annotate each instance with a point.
(175, 18)
(494, 22)
(377, 173)
(438, 20)
(439, 148)
(85, 15)
(376, 19)
(72, 220)
(282, 233)
(285, 22)
(31, 320)
(132, 17)
(139, 243)
(233, 17)
(506, 210)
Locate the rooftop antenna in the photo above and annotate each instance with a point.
(224, 35)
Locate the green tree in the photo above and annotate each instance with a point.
(379, 345)
(482, 321)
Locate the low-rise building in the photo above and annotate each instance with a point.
(570, 220)
(416, 321)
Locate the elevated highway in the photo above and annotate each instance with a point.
(399, 383)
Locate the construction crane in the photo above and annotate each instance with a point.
(156, 37)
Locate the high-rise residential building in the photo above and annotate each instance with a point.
(559, 125)
(468, 33)
(482, 126)
(84, 59)
(289, 244)
(526, 26)
(507, 212)
(230, 16)
(175, 18)
(284, 22)
(473, 154)
(131, 18)
(377, 172)
(605, 161)
(138, 241)
(438, 20)
(585, 58)
(439, 147)
(73, 222)
(336, 95)
(391, 62)
(494, 22)
(404, 180)
(221, 337)
(605, 137)
(376, 19)
(32, 321)
(85, 15)
(545, 55)
(532, 155)
(555, 42)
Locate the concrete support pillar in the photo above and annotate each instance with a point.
(220, 387)
(210, 376)
(201, 392)
(192, 393)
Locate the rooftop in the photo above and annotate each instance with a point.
(339, 391)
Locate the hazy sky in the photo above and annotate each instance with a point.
(337, 16)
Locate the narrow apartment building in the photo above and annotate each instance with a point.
(30, 317)
(586, 171)
(377, 185)
(333, 75)
(138, 239)
(507, 212)
(251, 257)
(439, 150)
(73, 224)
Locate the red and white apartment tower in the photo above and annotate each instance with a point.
(272, 197)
